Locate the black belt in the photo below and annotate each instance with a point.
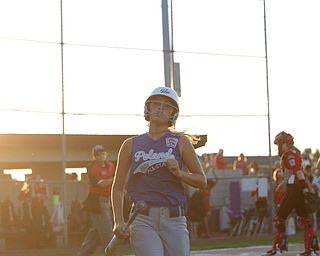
(175, 211)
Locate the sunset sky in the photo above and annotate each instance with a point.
(113, 59)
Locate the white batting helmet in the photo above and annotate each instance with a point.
(167, 92)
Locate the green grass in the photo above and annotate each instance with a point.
(228, 243)
(242, 242)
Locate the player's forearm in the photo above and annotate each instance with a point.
(105, 182)
(117, 204)
(196, 180)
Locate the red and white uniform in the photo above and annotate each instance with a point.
(291, 160)
(97, 173)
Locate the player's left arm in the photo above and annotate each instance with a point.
(195, 176)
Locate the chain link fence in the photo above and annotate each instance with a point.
(55, 218)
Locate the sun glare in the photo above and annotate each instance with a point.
(20, 174)
(17, 174)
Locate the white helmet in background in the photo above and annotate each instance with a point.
(167, 92)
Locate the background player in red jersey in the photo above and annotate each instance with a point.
(294, 199)
(98, 203)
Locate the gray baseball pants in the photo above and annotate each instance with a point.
(161, 231)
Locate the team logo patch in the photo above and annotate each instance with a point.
(292, 162)
(149, 166)
(171, 142)
(165, 91)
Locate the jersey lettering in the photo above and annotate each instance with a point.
(150, 166)
(153, 156)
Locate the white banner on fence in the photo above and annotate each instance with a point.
(248, 184)
(263, 187)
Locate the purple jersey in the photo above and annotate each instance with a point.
(149, 179)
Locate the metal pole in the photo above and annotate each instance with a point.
(63, 137)
(271, 199)
(167, 45)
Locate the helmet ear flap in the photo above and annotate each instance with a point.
(173, 119)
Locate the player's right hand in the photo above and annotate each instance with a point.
(121, 231)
